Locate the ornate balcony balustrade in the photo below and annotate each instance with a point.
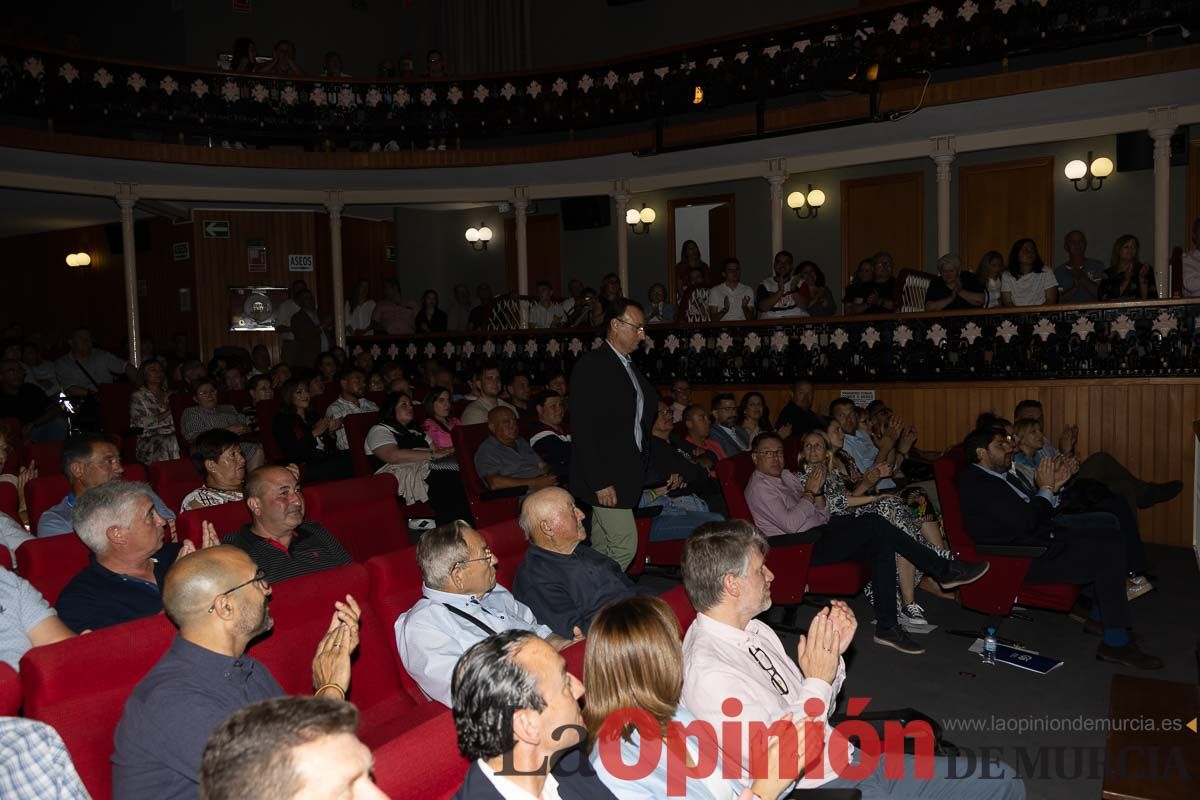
(78, 94)
(1084, 341)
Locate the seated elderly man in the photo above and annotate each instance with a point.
(516, 710)
(129, 560)
(782, 503)
(288, 748)
(26, 620)
(563, 581)
(218, 598)
(548, 438)
(462, 604)
(730, 655)
(88, 460)
(506, 460)
(277, 537)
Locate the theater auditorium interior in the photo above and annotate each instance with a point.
(600, 399)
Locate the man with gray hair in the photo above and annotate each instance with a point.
(118, 523)
(563, 581)
(462, 604)
(728, 655)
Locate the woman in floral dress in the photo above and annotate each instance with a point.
(150, 410)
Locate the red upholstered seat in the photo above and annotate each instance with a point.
(47, 456)
(324, 400)
(424, 761)
(1003, 586)
(664, 554)
(80, 686)
(794, 573)
(10, 501)
(265, 412)
(50, 562)
(180, 401)
(173, 480)
(357, 426)
(507, 542)
(486, 508)
(50, 487)
(362, 513)
(114, 406)
(6, 562)
(226, 518)
(395, 587)
(678, 600)
(10, 691)
(18, 454)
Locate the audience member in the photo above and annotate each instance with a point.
(859, 444)
(245, 55)
(785, 294)
(218, 458)
(588, 312)
(556, 381)
(659, 310)
(430, 318)
(548, 438)
(546, 312)
(953, 288)
(698, 425)
(681, 398)
(693, 300)
(989, 271)
(610, 290)
(724, 430)
(308, 440)
(668, 457)
(860, 293)
(12, 533)
(563, 581)
(260, 360)
(37, 765)
(327, 367)
(458, 318)
(689, 260)
(506, 460)
(423, 473)
(518, 390)
(516, 709)
(821, 302)
(40, 371)
(27, 620)
(1027, 281)
(753, 418)
(482, 310)
(1191, 265)
(461, 604)
(1080, 548)
(218, 598)
(333, 66)
(798, 416)
(207, 415)
(352, 400)
(82, 371)
(612, 410)
(488, 377)
(88, 459)
(280, 374)
(129, 559)
(359, 317)
(1079, 276)
(731, 300)
(277, 537)
(394, 315)
(283, 60)
(288, 748)
(728, 654)
(1127, 278)
(438, 423)
(38, 414)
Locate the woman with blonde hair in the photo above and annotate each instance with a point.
(633, 670)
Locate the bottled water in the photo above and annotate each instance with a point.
(989, 647)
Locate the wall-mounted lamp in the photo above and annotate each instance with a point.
(479, 237)
(643, 218)
(806, 207)
(1088, 174)
(697, 95)
(78, 260)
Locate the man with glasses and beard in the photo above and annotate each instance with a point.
(218, 598)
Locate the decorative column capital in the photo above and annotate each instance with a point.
(1163, 122)
(942, 149)
(621, 194)
(125, 196)
(776, 169)
(520, 198)
(776, 181)
(333, 202)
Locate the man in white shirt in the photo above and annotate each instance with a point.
(462, 604)
(352, 401)
(82, 371)
(489, 397)
(1191, 264)
(729, 655)
(458, 315)
(546, 312)
(784, 294)
(732, 300)
(681, 398)
(283, 314)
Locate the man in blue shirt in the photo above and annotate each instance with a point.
(859, 444)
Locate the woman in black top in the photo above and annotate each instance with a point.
(953, 288)
(1127, 278)
(306, 439)
(430, 318)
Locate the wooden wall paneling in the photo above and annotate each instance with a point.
(363, 254)
(1002, 202)
(889, 209)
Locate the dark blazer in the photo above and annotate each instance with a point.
(603, 451)
(575, 775)
(993, 514)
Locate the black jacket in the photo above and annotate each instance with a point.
(603, 451)
(565, 591)
(576, 778)
(994, 514)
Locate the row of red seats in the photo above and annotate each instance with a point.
(416, 749)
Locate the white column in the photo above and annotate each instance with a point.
(335, 205)
(520, 204)
(126, 199)
(1163, 121)
(776, 178)
(942, 152)
(621, 199)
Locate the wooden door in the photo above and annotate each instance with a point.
(541, 241)
(883, 213)
(720, 235)
(1001, 203)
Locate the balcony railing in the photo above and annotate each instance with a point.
(78, 94)
(1137, 339)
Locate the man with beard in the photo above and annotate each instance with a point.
(277, 538)
(218, 598)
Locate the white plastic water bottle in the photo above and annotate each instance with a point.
(989, 647)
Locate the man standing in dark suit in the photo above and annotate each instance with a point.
(1001, 507)
(612, 411)
(516, 711)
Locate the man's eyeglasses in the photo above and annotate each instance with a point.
(260, 577)
(487, 556)
(764, 662)
(726, 408)
(769, 453)
(638, 328)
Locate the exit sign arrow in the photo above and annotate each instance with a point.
(216, 229)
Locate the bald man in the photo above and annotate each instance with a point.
(218, 598)
(563, 581)
(506, 460)
(281, 543)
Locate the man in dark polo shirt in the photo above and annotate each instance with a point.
(118, 523)
(548, 438)
(218, 598)
(277, 538)
(563, 581)
(505, 460)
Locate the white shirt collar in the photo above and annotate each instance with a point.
(510, 791)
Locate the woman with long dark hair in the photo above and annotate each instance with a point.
(307, 438)
(1028, 282)
(438, 423)
(1126, 277)
(430, 318)
(689, 259)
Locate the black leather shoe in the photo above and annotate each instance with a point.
(960, 573)
(1156, 493)
(1128, 656)
(898, 639)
